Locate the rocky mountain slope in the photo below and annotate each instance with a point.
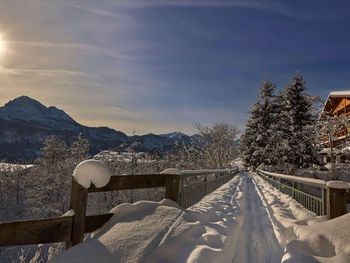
(25, 123)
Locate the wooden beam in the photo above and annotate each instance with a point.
(96, 221)
(50, 230)
(126, 182)
(78, 202)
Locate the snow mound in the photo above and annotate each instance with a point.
(132, 233)
(328, 241)
(204, 232)
(306, 237)
(91, 171)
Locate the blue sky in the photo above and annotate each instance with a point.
(165, 65)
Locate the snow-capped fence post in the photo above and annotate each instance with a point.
(86, 173)
(337, 192)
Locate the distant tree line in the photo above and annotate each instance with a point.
(281, 131)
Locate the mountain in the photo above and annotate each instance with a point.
(25, 123)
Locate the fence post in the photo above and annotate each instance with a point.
(324, 202)
(336, 199)
(78, 202)
(295, 186)
(280, 184)
(173, 187)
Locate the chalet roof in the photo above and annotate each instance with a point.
(334, 98)
(342, 94)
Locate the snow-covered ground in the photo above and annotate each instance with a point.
(305, 237)
(245, 220)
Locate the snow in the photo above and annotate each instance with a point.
(171, 171)
(306, 237)
(228, 225)
(338, 184)
(245, 220)
(92, 171)
(310, 181)
(345, 93)
(197, 172)
(13, 167)
(129, 236)
(69, 213)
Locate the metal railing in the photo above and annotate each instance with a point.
(315, 203)
(193, 185)
(193, 193)
(315, 195)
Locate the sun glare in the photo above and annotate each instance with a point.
(2, 45)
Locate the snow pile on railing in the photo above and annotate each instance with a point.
(303, 180)
(91, 172)
(197, 172)
(306, 237)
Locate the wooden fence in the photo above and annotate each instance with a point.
(314, 194)
(71, 229)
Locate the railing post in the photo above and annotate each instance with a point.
(78, 202)
(173, 187)
(294, 186)
(324, 202)
(336, 200)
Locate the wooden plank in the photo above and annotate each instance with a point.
(50, 230)
(78, 202)
(96, 221)
(125, 182)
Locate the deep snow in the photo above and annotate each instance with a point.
(245, 220)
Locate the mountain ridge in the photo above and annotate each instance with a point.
(25, 123)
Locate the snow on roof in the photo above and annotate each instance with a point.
(13, 167)
(91, 171)
(336, 94)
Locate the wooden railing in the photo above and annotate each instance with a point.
(71, 229)
(315, 195)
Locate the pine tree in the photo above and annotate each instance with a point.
(79, 149)
(256, 147)
(296, 123)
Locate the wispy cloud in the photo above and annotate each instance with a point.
(80, 46)
(272, 6)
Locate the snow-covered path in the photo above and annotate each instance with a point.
(255, 240)
(229, 225)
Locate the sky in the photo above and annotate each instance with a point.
(164, 65)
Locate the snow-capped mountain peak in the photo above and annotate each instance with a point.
(27, 109)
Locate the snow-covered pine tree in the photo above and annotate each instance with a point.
(256, 147)
(296, 125)
(79, 150)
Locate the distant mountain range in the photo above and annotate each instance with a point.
(25, 123)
